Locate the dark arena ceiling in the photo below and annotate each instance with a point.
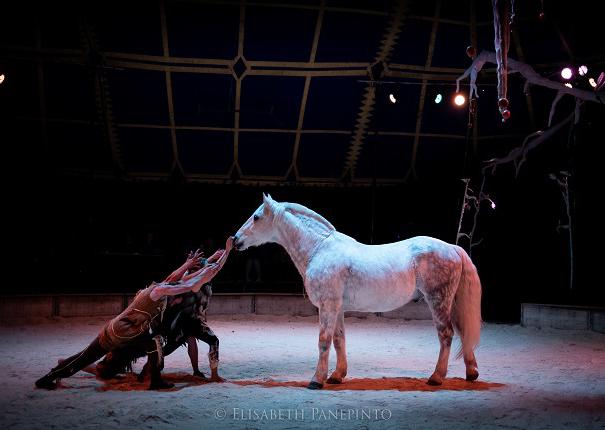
(271, 92)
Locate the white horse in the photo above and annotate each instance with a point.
(341, 274)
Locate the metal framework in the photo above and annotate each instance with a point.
(429, 60)
(389, 39)
(169, 65)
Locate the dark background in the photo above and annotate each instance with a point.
(76, 221)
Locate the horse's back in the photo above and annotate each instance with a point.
(399, 253)
(379, 278)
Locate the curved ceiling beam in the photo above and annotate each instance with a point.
(389, 40)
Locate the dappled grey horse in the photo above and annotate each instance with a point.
(341, 274)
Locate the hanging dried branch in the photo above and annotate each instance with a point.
(519, 155)
(474, 201)
(528, 73)
(562, 180)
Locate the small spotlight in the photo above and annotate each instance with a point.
(438, 98)
(568, 85)
(1, 78)
(459, 100)
(592, 82)
(582, 70)
(392, 98)
(566, 73)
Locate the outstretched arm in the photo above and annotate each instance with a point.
(214, 257)
(193, 283)
(191, 262)
(219, 256)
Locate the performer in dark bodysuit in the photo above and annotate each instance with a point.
(189, 325)
(133, 326)
(184, 322)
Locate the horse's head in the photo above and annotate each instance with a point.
(259, 228)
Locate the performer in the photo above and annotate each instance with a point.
(184, 321)
(133, 326)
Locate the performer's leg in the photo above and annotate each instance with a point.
(205, 334)
(168, 349)
(120, 360)
(155, 360)
(111, 365)
(192, 351)
(73, 364)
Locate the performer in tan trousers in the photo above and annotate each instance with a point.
(133, 325)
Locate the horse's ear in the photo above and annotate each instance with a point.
(269, 202)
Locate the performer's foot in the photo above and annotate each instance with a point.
(215, 378)
(160, 384)
(46, 383)
(199, 375)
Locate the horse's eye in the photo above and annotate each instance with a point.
(256, 217)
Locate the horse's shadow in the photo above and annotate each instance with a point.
(129, 382)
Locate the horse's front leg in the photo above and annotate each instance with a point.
(328, 315)
(341, 351)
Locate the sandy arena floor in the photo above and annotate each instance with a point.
(530, 379)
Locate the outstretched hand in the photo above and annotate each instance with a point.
(230, 242)
(212, 268)
(193, 260)
(222, 254)
(216, 256)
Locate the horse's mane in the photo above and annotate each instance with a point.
(310, 218)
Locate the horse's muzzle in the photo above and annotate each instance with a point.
(237, 244)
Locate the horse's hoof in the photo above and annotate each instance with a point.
(472, 375)
(315, 385)
(435, 380)
(333, 380)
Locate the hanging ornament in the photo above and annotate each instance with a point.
(512, 13)
(503, 11)
(472, 112)
(473, 106)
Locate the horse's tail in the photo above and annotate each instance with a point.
(467, 306)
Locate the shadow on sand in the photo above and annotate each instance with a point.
(129, 382)
(385, 384)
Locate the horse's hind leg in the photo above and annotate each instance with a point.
(328, 314)
(441, 307)
(341, 351)
(445, 331)
(470, 362)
